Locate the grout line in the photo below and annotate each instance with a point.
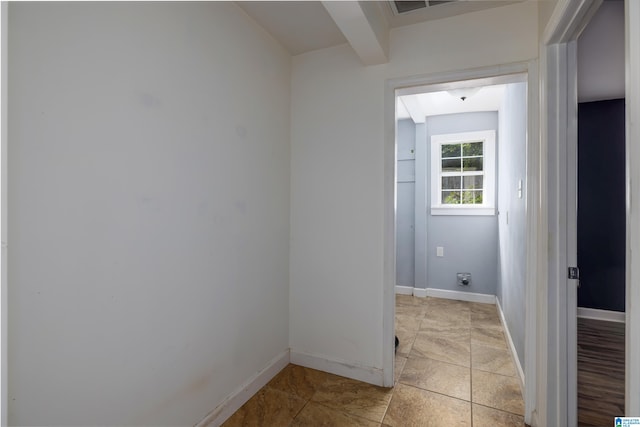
(301, 409)
(343, 411)
(499, 410)
(436, 392)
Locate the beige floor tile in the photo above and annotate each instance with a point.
(489, 417)
(454, 314)
(451, 350)
(406, 339)
(407, 322)
(298, 381)
(267, 408)
(411, 306)
(444, 302)
(398, 367)
(445, 328)
(318, 415)
(488, 336)
(492, 359)
(496, 391)
(354, 397)
(486, 320)
(417, 311)
(413, 407)
(440, 377)
(404, 300)
(478, 307)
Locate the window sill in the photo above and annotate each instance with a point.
(478, 211)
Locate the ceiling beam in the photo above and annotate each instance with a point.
(364, 26)
(412, 104)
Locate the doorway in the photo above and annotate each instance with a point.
(557, 393)
(524, 188)
(601, 232)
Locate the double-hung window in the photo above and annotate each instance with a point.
(463, 173)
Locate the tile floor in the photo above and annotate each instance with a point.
(453, 368)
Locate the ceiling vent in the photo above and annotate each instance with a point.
(401, 7)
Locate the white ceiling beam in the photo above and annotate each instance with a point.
(364, 26)
(413, 106)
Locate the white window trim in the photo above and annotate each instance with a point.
(488, 207)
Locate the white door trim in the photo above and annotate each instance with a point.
(532, 202)
(4, 9)
(632, 49)
(557, 305)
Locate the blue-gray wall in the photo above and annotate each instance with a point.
(420, 209)
(512, 220)
(470, 242)
(405, 195)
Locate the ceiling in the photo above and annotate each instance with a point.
(303, 26)
(299, 26)
(421, 105)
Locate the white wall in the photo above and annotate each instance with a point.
(545, 10)
(512, 221)
(337, 185)
(149, 210)
(601, 55)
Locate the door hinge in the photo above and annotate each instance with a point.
(573, 273)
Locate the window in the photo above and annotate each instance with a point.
(463, 173)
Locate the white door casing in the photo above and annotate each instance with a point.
(632, 54)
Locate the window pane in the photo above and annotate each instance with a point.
(477, 197)
(467, 197)
(472, 149)
(451, 165)
(473, 164)
(451, 197)
(471, 197)
(472, 182)
(451, 183)
(450, 150)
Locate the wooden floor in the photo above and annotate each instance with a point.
(600, 372)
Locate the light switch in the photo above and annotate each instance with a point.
(519, 189)
(439, 251)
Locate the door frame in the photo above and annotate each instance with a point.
(557, 341)
(557, 345)
(4, 32)
(532, 198)
(632, 153)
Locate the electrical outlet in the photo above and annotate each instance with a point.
(439, 251)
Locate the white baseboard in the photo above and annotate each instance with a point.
(404, 290)
(235, 400)
(443, 293)
(512, 347)
(608, 315)
(344, 369)
(462, 296)
(420, 292)
(534, 419)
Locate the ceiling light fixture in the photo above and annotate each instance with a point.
(464, 93)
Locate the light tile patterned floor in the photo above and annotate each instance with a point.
(453, 368)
